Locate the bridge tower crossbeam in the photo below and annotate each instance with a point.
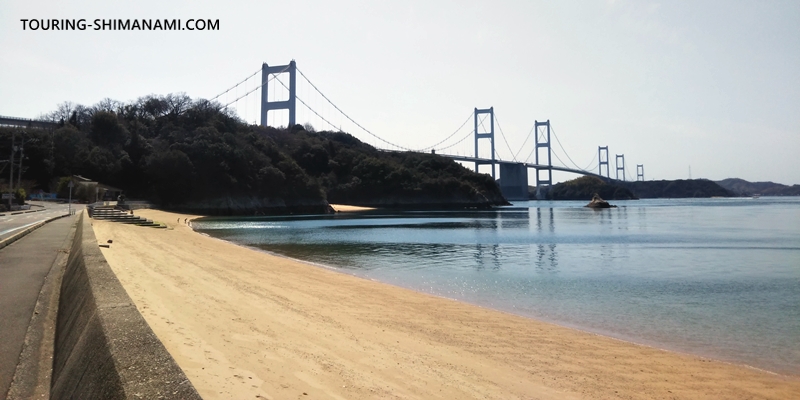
(289, 104)
(485, 135)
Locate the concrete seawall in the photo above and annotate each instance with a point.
(104, 348)
(19, 235)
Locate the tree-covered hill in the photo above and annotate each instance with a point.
(681, 188)
(585, 187)
(189, 155)
(741, 187)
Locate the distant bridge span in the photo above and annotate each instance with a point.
(26, 123)
(527, 165)
(514, 175)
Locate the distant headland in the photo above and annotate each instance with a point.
(584, 188)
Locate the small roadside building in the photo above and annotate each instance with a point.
(92, 191)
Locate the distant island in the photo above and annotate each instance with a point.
(741, 187)
(585, 187)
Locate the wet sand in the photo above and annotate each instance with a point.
(346, 208)
(246, 324)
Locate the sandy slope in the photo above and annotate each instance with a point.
(244, 324)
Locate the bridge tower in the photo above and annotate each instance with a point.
(639, 172)
(485, 135)
(620, 166)
(541, 143)
(603, 151)
(267, 105)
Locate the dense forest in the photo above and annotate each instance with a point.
(681, 188)
(190, 155)
(585, 187)
(741, 187)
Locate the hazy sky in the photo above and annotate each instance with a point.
(714, 85)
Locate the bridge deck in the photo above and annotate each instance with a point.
(529, 165)
(26, 123)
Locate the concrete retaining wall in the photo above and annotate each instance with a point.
(104, 348)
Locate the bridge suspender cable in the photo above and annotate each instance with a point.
(461, 140)
(272, 76)
(367, 130)
(591, 163)
(451, 135)
(564, 150)
(235, 86)
(309, 107)
(513, 156)
(523, 143)
(343, 113)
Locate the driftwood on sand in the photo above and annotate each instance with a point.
(598, 202)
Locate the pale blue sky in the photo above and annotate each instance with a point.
(709, 84)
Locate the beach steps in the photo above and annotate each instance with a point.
(110, 213)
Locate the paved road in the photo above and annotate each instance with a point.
(11, 224)
(24, 265)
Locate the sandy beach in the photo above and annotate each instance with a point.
(244, 324)
(347, 208)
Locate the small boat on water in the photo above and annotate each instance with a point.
(756, 196)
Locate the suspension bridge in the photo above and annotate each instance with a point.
(278, 95)
(275, 97)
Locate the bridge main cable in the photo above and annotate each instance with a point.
(236, 85)
(565, 151)
(343, 113)
(513, 157)
(272, 76)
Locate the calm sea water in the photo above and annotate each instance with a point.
(714, 277)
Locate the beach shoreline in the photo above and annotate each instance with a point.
(347, 208)
(632, 341)
(375, 340)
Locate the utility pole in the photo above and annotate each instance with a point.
(21, 157)
(11, 174)
(69, 207)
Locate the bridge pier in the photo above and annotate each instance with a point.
(514, 181)
(541, 192)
